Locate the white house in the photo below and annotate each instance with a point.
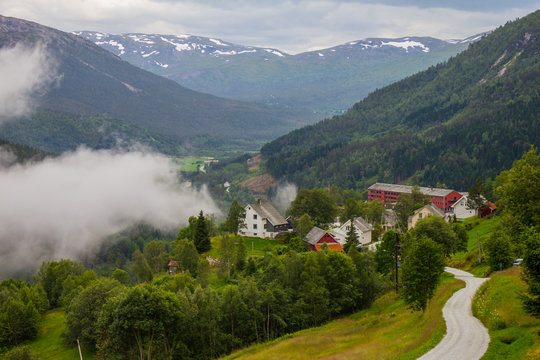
(362, 228)
(460, 209)
(263, 220)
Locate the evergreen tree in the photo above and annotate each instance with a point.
(201, 236)
(235, 218)
(352, 238)
(476, 198)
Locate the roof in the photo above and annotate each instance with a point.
(390, 217)
(491, 205)
(461, 199)
(431, 191)
(268, 211)
(315, 234)
(433, 209)
(362, 224)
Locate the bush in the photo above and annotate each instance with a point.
(20, 353)
(499, 250)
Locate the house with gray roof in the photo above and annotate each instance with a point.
(317, 237)
(362, 228)
(263, 220)
(424, 212)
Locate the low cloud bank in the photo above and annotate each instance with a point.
(26, 74)
(285, 194)
(64, 207)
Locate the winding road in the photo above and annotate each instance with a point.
(466, 338)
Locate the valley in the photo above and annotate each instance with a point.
(186, 197)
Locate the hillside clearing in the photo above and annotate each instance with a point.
(50, 343)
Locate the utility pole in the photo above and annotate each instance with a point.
(396, 258)
(79, 346)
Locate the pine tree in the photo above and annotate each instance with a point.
(202, 235)
(352, 238)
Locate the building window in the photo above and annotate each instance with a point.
(420, 215)
(254, 216)
(254, 226)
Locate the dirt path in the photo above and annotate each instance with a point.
(466, 338)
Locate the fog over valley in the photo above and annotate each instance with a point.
(65, 206)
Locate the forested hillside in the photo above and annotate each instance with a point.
(92, 84)
(469, 117)
(17, 153)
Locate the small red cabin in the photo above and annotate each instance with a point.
(317, 237)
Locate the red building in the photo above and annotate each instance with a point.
(317, 237)
(388, 193)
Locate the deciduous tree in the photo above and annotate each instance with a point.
(421, 270)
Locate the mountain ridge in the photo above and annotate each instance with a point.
(95, 82)
(325, 81)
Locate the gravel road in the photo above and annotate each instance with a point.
(466, 338)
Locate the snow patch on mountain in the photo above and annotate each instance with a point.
(275, 52)
(152, 53)
(113, 43)
(217, 42)
(406, 45)
(178, 46)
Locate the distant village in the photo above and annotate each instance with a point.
(263, 220)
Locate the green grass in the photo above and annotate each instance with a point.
(387, 330)
(50, 343)
(468, 260)
(189, 164)
(514, 333)
(258, 245)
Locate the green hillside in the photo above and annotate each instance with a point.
(387, 330)
(469, 117)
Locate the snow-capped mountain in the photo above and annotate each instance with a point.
(325, 81)
(158, 50)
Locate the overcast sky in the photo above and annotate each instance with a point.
(292, 26)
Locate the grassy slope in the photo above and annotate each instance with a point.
(387, 330)
(514, 334)
(468, 260)
(50, 344)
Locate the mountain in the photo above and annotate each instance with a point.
(96, 84)
(469, 117)
(326, 81)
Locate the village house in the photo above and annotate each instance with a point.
(389, 193)
(390, 220)
(263, 220)
(422, 213)
(460, 208)
(362, 228)
(317, 237)
(462, 211)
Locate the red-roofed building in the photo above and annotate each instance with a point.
(317, 237)
(389, 193)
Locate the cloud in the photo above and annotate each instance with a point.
(290, 25)
(65, 206)
(285, 194)
(26, 74)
